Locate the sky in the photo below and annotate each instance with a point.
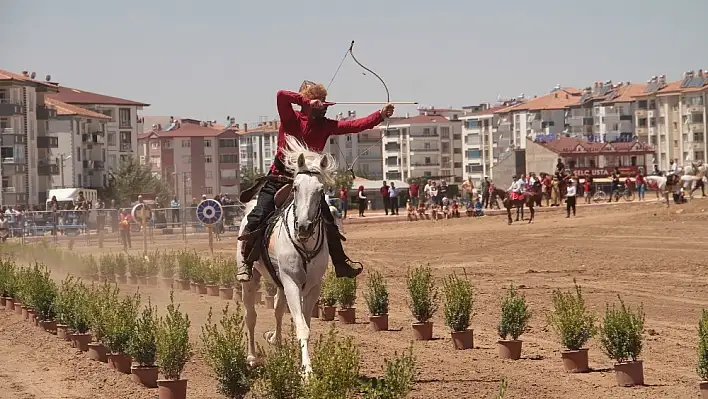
(210, 59)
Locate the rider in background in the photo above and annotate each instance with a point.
(312, 128)
(615, 183)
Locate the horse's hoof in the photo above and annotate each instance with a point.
(251, 360)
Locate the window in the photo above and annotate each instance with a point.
(445, 132)
(126, 142)
(111, 139)
(458, 165)
(78, 154)
(188, 190)
(167, 144)
(186, 159)
(186, 143)
(209, 174)
(472, 123)
(78, 180)
(229, 173)
(228, 158)
(427, 160)
(108, 113)
(155, 145)
(207, 158)
(227, 143)
(112, 161)
(457, 150)
(124, 117)
(208, 190)
(155, 161)
(207, 143)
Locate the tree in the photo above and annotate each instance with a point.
(131, 179)
(249, 177)
(342, 177)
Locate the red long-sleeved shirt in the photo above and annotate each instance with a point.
(313, 132)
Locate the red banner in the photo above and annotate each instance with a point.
(625, 171)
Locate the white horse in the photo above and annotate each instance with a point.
(691, 176)
(661, 183)
(297, 248)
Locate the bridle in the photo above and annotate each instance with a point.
(318, 227)
(350, 52)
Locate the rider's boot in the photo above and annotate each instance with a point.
(343, 266)
(248, 253)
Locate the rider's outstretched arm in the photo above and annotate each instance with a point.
(354, 125)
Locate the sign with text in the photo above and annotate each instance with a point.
(625, 171)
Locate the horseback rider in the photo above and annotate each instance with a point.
(311, 127)
(516, 188)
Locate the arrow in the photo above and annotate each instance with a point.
(328, 103)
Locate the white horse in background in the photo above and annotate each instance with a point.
(690, 177)
(297, 247)
(661, 182)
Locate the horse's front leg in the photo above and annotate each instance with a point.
(508, 213)
(293, 294)
(532, 213)
(310, 301)
(273, 337)
(248, 290)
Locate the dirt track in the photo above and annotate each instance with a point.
(644, 252)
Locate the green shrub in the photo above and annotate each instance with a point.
(152, 264)
(89, 265)
(376, 294)
(423, 294)
(44, 292)
(107, 268)
(187, 262)
(335, 368)
(346, 292)
(63, 305)
(515, 315)
(397, 381)
(75, 303)
(137, 266)
(173, 347)
(570, 318)
(143, 346)
(459, 298)
(227, 271)
(225, 351)
(120, 326)
(211, 272)
(167, 265)
(329, 294)
(101, 300)
(281, 374)
(621, 332)
(703, 346)
(8, 277)
(120, 263)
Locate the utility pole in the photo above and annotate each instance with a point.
(61, 167)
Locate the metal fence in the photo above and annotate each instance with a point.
(102, 225)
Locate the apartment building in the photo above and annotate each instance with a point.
(481, 147)
(671, 116)
(538, 116)
(427, 145)
(257, 145)
(79, 152)
(604, 112)
(120, 131)
(360, 151)
(26, 166)
(195, 157)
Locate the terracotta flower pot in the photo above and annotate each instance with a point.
(201, 288)
(509, 349)
(98, 352)
(122, 279)
(193, 288)
(145, 375)
(347, 315)
(25, 313)
(63, 332)
(463, 339)
(152, 281)
(2, 301)
(316, 311)
(172, 389)
(269, 302)
(143, 280)
(184, 285)
(575, 361)
(32, 316)
(328, 313)
(629, 374)
(18, 308)
(226, 293)
(379, 322)
(703, 388)
(167, 282)
(9, 304)
(49, 326)
(81, 341)
(133, 279)
(212, 290)
(423, 331)
(120, 362)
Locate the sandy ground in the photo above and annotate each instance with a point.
(643, 251)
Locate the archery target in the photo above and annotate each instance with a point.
(209, 211)
(136, 213)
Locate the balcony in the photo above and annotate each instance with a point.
(426, 165)
(11, 170)
(45, 112)
(87, 164)
(9, 130)
(696, 127)
(47, 169)
(47, 142)
(12, 160)
(9, 190)
(424, 150)
(424, 135)
(392, 148)
(126, 147)
(504, 127)
(641, 131)
(694, 108)
(641, 113)
(10, 107)
(125, 124)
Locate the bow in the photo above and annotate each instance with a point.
(350, 52)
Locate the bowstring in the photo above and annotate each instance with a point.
(336, 142)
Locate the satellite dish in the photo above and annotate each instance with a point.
(48, 78)
(33, 75)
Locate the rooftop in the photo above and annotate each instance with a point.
(64, 109)
(558, 99)
(187, 128)
(76, 96)
(418, 119)
(10, 76)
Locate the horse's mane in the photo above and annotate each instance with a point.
(295, 147)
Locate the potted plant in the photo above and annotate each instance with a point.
(224, 349)
(143, 348)
(106, 269)
(167, 269)
(173, 351)
(186, 263)
(100, 306)
(64, 308)
(211, 277)
(271, 289)
(152, 268)
(515, 317)
(376, 297)
(575, 325)
(79, 321)
(44, 301)
(8, 279)
(120, 265)
(227, 278)
(90, 268)
(137, 268)
(120, 330)
(328, 296)
(459, 298)
(621, 339)
(199, 277)
(346, 297)
(423, 301)
(703, 354)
